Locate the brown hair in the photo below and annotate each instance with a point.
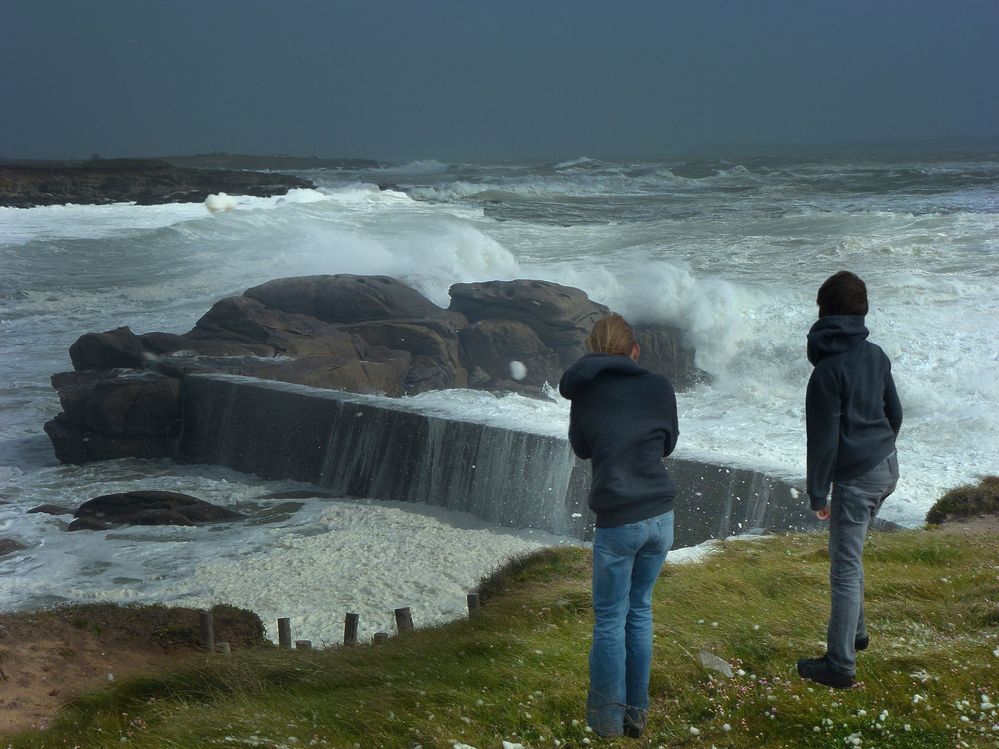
(611, 335)
(843, 293)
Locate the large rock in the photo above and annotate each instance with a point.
(561, 316)
(134, 404)
(9, 546)
(433, 344)
(115, 414)
(152, 508)
(108, 350)
(663, 352)
(345, 298)
(270, 332)
(491, 347)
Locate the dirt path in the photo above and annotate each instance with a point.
(46, 658)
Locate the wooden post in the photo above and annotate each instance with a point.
(207, 629)
(350, 629)
(284, 632)
(223, 648)
(473, 602)
(404, 619)
(380, 638)
(303, 644)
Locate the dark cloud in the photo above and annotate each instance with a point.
(488, 79)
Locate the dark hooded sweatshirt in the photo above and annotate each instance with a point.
(623, 420)
(852, 411)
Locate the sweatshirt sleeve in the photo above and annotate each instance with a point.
(823, 409)
(669, 411)
(576, 440)
(893, 406)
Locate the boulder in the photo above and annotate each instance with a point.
(269, 332)
(130, 403)
(152, 508)
(115, 414)
(51, 510)
(345, 298)
(108, 350)
(561, 316)
(9, 546)
(433, 344)
(88, 524)
(74, 443)
(491, 345)
(663, 351)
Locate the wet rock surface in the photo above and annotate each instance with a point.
(143, 181)
(148, 508)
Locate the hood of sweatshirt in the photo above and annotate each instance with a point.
(834, 335)
(591, 365)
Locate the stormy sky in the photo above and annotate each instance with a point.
(488, 79)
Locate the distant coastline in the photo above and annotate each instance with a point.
(25, 183)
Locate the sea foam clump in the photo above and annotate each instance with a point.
(220, 202)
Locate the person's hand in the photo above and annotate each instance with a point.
(823, 514)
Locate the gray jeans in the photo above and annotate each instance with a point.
(854, 505)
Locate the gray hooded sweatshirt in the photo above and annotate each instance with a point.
(852, 410)
(623, 420)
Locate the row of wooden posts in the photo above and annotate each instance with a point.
(403, 623)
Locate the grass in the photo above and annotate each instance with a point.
(517, 671)
(967, 501)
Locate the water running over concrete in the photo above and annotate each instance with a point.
(385, 448)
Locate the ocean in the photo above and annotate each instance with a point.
(730, 251)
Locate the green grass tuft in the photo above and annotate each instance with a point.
(966, 501)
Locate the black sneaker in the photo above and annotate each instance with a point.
(820, 671)
(634, 723)
(861, 643)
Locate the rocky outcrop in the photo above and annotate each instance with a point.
(144, 181)
(362, 334)
(147, 508)
(9, 546)
(560, 316)
(115, 414)
(51, 510)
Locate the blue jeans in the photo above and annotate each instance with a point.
(854, 504)
(626, 563)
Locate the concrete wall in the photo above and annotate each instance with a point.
(365, 446)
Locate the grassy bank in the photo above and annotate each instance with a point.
(517, 671)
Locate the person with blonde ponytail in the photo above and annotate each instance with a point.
(623, 420)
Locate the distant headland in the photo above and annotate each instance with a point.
(175, 179)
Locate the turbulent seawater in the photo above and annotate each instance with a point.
(730, 251)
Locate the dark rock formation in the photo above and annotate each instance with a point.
(115, 348)
(144, 181)
(491, 346)
(345, 298)
(115, 414)
(560, 316)
(51, 510)
(150, 508)
(663, 352)
(362, 334)
(9, 546)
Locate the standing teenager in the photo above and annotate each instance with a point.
(853, 416)
(623, 420)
